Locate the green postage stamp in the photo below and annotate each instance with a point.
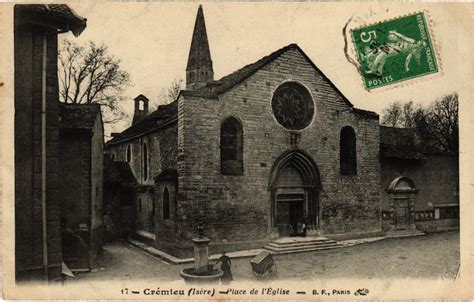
(395, 50)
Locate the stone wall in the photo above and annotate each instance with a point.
(165, 228)
(144, 209)
(119, 217)
(238, 208)
(97, 183)
(28, 95)
(162, 152)
(436, 177)
(75, 192)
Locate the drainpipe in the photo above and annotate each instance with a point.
(43, 157)
(91, 203)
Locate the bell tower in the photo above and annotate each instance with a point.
(141, 108)
(199, 68)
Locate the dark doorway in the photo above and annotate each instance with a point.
(290, 209)
(296, 214)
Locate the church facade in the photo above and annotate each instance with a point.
(252, 155)
(276, 144)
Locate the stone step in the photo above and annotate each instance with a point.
(404, 233)
(305, 248)
(145, 237)
(301, 244)
(302, 249)
(293, 240)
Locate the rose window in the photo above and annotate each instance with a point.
(292, 106)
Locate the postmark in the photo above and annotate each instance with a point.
(394, 51)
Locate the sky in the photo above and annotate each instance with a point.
(153, 40)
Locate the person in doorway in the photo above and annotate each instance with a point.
(226, 268)
(303, 228)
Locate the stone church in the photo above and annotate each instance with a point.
(253, 154)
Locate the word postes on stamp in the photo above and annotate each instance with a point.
(396, 50)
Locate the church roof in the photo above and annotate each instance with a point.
(163, 116)
(365, 113)
(398, 143)
(59, 16)
(199, 53)
(78, 116)
(215, 88)
(141, 97)
(118, 172)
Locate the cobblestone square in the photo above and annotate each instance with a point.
(430, 256)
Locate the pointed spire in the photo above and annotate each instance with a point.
(199, 69)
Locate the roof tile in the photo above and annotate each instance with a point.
(78, 116)
(157, 119)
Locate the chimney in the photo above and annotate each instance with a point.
(141, 108)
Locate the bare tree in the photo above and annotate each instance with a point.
(169, 94)
(391, 116)
(89, 74)
(440, 125)
(436, 126)
(400, 115)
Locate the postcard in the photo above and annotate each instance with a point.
(214, 151)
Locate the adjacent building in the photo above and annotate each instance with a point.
(81, 143)
(37, 150)
(58, 153)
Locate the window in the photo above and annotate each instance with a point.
(293, 106)
(129, 153)
(166, 204)
(145, 161)
(347, 151)
(231, 147)
(113, 156)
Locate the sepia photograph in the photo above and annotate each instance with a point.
(214, 150)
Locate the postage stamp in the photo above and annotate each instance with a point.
(394, 51)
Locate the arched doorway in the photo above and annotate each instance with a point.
(295, 186)
(401, 193)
